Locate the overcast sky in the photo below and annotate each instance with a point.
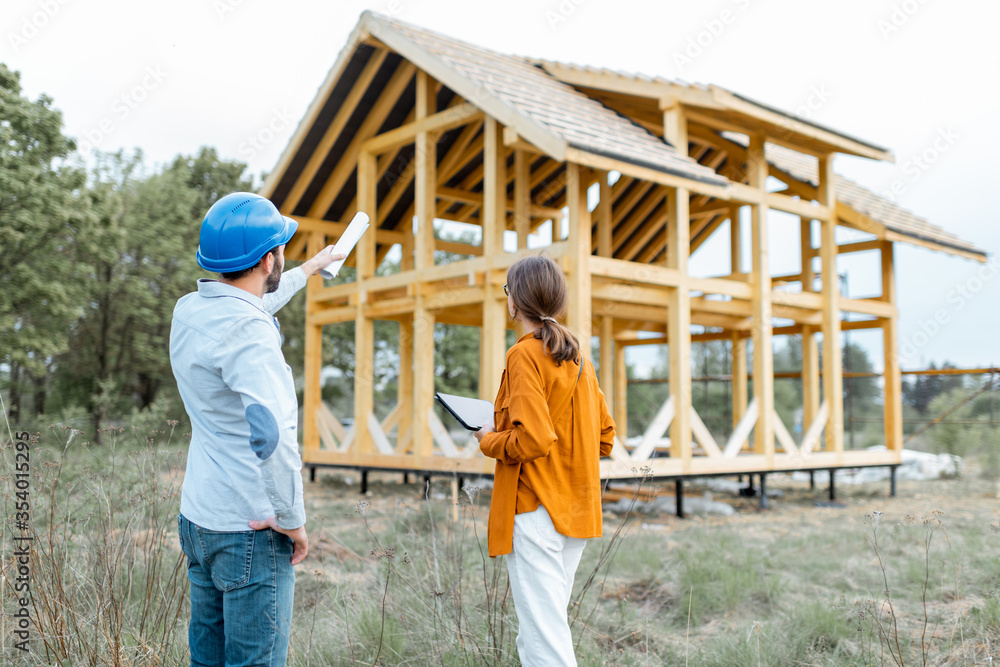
(917, 77)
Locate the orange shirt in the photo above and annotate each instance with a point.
(551, 430)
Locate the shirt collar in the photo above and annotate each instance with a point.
(214, 288)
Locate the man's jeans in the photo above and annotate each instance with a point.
(242, 589)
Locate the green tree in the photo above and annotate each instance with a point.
(41, 212)
(136, 261)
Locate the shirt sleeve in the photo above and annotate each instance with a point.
(607, 426)
(533, 434)
(291, 282)
(251, 363)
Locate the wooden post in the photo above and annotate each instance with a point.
(312, 390)
(607, 379)
(679, 324)
(522, 198)
(364, 333)
(404, 393)
(833, 387)
(810, 351)
(735, 242)
(605, 249)
(621, 393)
(763, 353)
(604, 219)
(578, 317)
(425, 205)
(494, 217)
(890, 347)
(739, 351)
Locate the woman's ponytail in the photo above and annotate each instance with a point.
(538, 290)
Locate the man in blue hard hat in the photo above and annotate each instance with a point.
(242, 518)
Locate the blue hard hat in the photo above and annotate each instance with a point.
(238, 230)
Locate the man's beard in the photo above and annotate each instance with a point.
(273, 278)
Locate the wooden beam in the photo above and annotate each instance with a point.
(579, 244)
(364, 333)
(739, 359)
(425, 186)
(607, 343)
(492, 347)
(763, 351)
(313, 353)
(679, 323)
(893, 404)
(522, 197)
(678, 225)
(404, 391)
(833, 390)
(605, 220)
(433, 124)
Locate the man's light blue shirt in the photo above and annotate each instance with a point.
(243, 463)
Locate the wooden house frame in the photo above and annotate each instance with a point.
(411, 126)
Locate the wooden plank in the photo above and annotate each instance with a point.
(703, 435)
(655, 431)
(742, 430)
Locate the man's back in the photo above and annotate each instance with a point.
(243, 463)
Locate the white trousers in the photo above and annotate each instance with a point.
(542, 568)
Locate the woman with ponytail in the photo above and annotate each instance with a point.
(551, 426)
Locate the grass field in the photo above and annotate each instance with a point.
(392, 580)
